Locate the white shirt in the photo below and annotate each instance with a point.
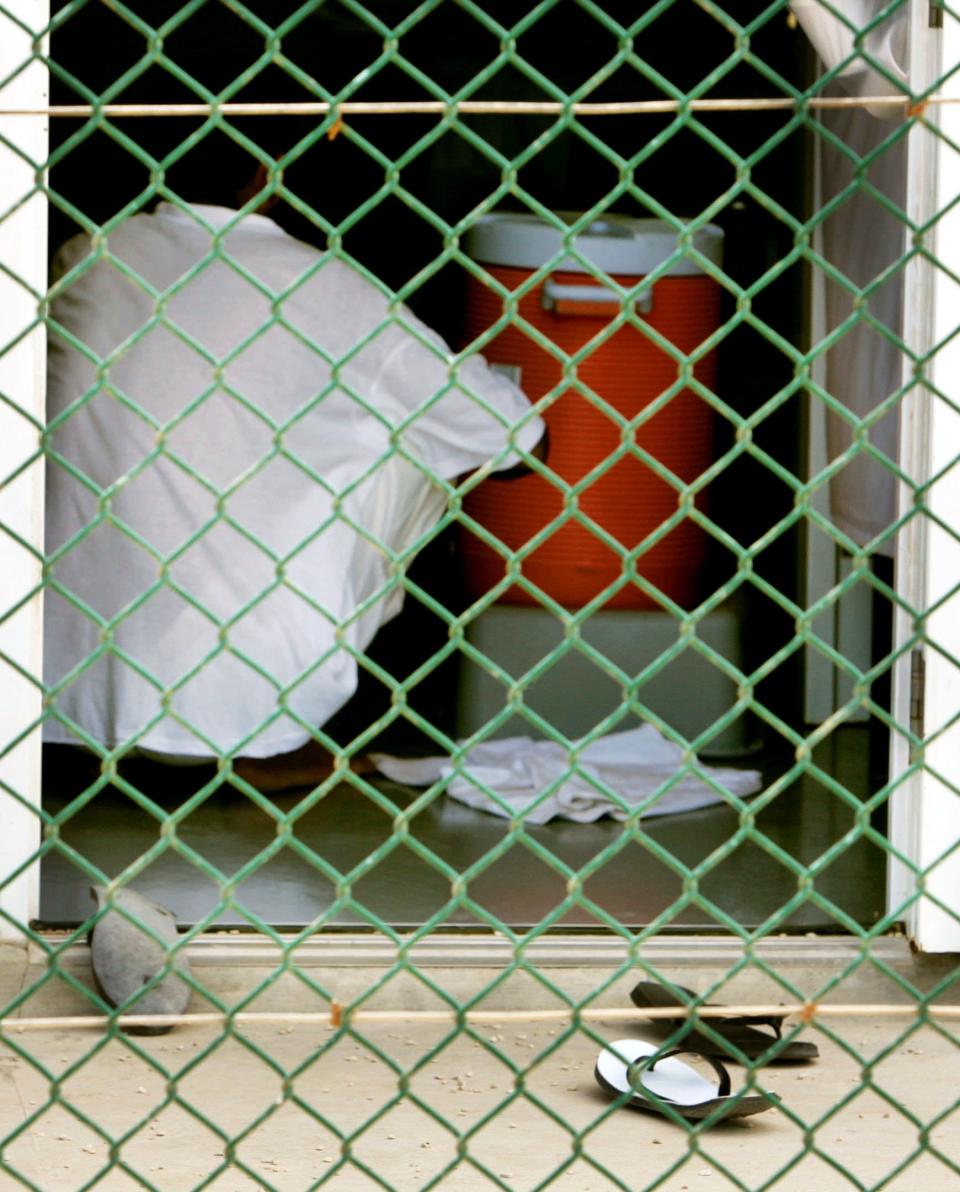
(250, 523)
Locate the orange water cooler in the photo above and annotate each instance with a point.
(619, 375)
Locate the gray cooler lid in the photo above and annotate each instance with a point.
(613, 243)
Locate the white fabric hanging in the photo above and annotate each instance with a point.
(882, 52)
(862, 238)
(633, 764)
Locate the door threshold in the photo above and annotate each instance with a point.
(457, 950)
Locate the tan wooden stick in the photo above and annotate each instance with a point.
(480, 107)
(337, 1015)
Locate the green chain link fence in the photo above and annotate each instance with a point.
(116, 53)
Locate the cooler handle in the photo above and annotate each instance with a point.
(564, 299)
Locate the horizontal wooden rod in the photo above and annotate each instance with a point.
(337, 1015)
(479, 107)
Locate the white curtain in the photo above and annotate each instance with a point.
(861, 239)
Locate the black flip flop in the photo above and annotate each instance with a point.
(741, 1033)
(656, 1080)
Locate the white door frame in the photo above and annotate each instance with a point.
(23, 252)
(925, 811)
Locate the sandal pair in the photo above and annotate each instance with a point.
(657, 1082)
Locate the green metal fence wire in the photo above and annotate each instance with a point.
(392, 73)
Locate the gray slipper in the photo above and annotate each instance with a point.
(125, 958)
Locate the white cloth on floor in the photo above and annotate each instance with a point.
(633, 764)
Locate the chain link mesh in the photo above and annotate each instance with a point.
(138, 49)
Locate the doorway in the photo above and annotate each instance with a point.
(808, 821)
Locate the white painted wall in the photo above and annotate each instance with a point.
(23, 251)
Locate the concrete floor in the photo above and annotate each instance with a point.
(375, 1089)
(145, 1093)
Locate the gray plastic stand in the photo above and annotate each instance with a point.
(575, 693)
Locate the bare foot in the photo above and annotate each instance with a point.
(306, 766)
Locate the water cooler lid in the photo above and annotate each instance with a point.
(613, 243)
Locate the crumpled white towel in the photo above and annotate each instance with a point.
(634, 764)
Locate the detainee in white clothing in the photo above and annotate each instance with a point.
(244, 436)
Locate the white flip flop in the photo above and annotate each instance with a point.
(655, 1079)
